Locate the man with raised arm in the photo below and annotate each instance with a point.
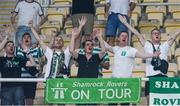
(148, 48)
(124, 56)
(12, 92)
(57, 59)
(88, 62)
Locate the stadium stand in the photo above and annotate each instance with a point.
(165, 18)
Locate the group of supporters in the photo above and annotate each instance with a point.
(26, 58)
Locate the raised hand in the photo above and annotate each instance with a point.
(75, 32)
(98, 33)
(122, 18)
(82, 21)
(30, 23)
(53, 33)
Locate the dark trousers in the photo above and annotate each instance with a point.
(12, 96)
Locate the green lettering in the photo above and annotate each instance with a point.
(178, 102)
(156, 101)
(123, 53)
(173, 101)
(164, 102)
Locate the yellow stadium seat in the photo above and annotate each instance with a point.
(101, 16)
(177, 52)
(137, 10)
(54, 1)
(56, 18)
(74, 70)
(68, 30)
(65, 11)
(171, 26)
(139, 71)
(174, 1)
(178, 62)
(138, 61)
(173, 68)
(173, 9)
(107, 73)
(176, 15)
(156, 12)
(68, 27)
(100, 10)
(135, 18)
(153, 1)
(146, 26)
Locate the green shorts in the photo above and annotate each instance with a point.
(88, 28)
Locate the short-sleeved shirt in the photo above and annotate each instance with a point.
(49, 55)
(83, 6)
(97, 50)
(36, 53)
(11, 68)
(119, 6)
(148, 48)
(28, 11)
(88, 68)
(123, 61)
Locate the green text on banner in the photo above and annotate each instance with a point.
(165, 91)
(93, 90)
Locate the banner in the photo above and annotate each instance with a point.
(93, 90)
(165, 91)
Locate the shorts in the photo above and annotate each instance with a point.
(88, 28)
(114, 24)
(29, 89)
(20, 31)
(147, 83)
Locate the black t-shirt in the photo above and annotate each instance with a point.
(83, 6)
(11, 68)
(88, 68)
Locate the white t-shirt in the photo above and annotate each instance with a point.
(119, 6)
(49, 55)
(28, 11)
(123, 61)
(164, 49)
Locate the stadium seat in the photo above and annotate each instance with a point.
(74, 71)
(176, 15)
(135, 15)
(68, 27)
(55, 1)
(56, 18)
(107, 73)
(135, 18)
(177, 56)
(146, 26)
(156, 12)
(171, 26)
(65, 10)
(153, 1)
(101, 16)
(172, 70)
(178, 62)
(48, 26)
(67, 39)
(139, 72)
